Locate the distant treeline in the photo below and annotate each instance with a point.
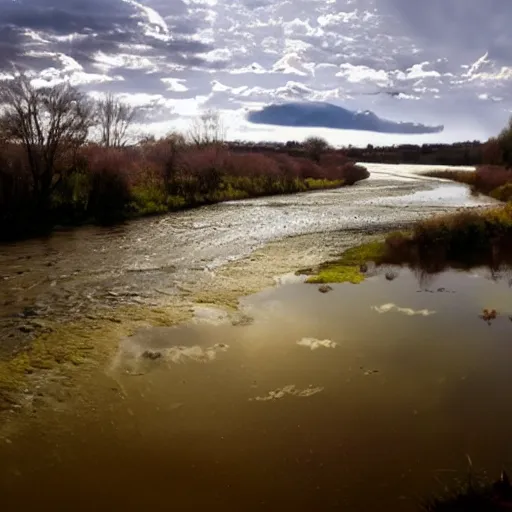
(460, 153)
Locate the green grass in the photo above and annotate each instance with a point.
(153, 200)
(336, 273)
(320, 184)
(149, 200)
(348, 268)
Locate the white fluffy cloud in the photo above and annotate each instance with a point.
(438, 62)
(314, 344)
(290, 390)
(393, 308)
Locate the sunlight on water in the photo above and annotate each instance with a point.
(405, 172)
(303, 406)
(447, 195)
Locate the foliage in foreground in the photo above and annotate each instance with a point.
(476, 494)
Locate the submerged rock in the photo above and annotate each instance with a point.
(325, 288)
(150, 354)
(242, 321)
(391, 276)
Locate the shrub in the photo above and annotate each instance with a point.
(503, 193)
(464, 239)
(157, 176)
(149, 200)
(467, 177)
(352, 173)
(15, 183)
(109, 193)
(489, 177)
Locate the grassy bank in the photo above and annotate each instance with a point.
(108, 185)
(350, 268)
(461, 240)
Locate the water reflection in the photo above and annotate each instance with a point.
(318, 399)
(494, 259)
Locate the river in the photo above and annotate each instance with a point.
(71, 271)
(354, 400)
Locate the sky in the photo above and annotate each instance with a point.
(432, 61)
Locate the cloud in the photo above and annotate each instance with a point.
(196, 353)
(315, 344)
(290, 390)
(390, 308)
(325, 115)
(119, 32)
(442, 62)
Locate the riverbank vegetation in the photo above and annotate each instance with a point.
(66, 160)
(494, 178)
(493, 181)
(462, 240)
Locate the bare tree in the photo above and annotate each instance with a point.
(114, 118)
(207, 129)
(315, 147)
(50, 123)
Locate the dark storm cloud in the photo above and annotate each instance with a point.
(101, 25)
(10, 46)
(64, 16)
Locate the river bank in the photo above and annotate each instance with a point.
(70, 273)
(106, 186)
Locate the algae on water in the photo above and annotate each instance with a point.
(88, 341)
(348, 269)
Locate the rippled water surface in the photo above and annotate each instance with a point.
(72, 270)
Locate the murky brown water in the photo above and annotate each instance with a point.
(361, 399)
